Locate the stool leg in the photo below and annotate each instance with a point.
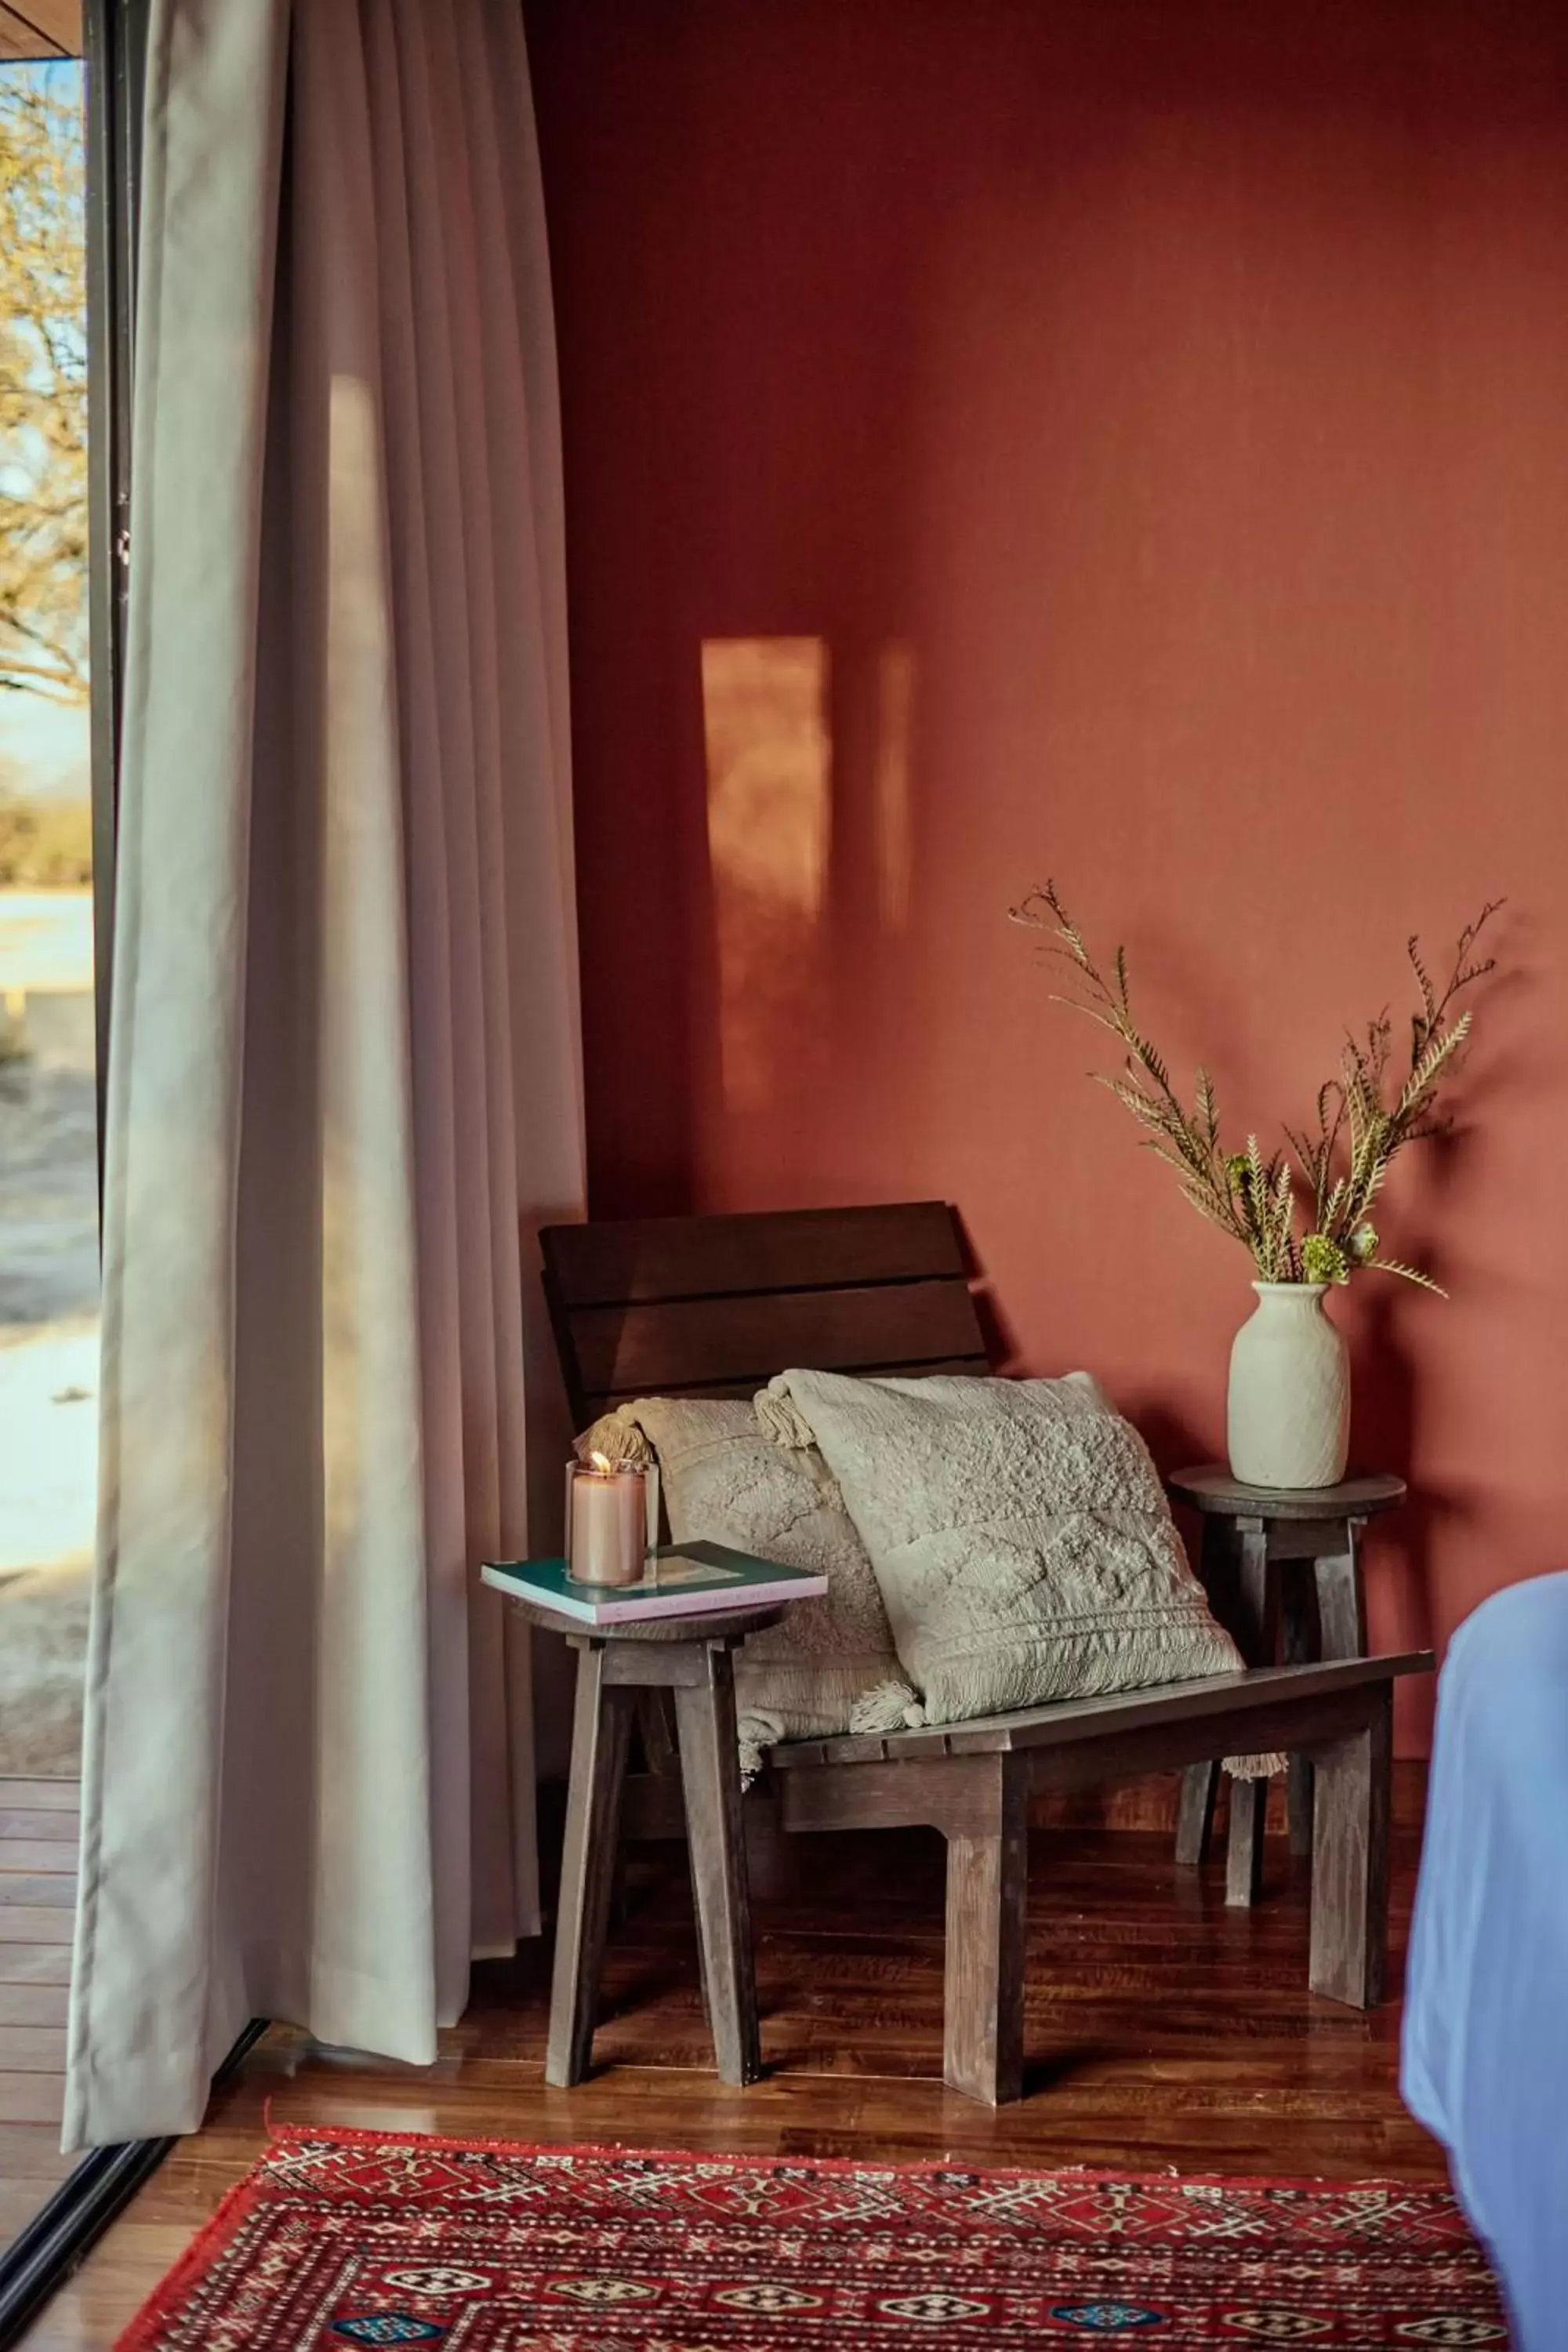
(1341, 1608)
(697, 1915)
(1249, 1798)
(705, 1719)
(1299, 1800)
(1200, 1782)
(1298, 1650)
(601, 1728)
(656, 1722)
(1195, 1819)
(1244, 1856)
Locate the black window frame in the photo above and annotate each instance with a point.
(115, 50)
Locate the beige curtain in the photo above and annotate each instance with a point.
(344, 1071)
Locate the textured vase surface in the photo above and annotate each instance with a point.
(1290, 1405)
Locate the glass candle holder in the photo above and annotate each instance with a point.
(612, 1520)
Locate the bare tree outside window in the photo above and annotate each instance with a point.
(49, 1193)
(43, 387)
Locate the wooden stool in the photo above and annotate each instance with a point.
(692, 1658)
(1314, 1603)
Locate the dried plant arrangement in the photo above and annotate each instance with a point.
(1365, 1117)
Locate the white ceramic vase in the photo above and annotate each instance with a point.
(1290, 1405)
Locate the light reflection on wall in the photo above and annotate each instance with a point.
(894, 844)
(769, 810)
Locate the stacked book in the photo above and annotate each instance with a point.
(683, 1580)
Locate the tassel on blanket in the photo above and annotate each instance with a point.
(780, 1416)
(1254, 1768)
(615, 1437)
(890, 1707)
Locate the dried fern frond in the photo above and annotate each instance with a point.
(1425, 1020)
(1143, 1085)
(1358, 1133)
(1406, 1273)
(1441, 1047)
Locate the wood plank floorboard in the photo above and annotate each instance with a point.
(36, 1963)
(55, 1795)
(26, 2156)
(37, 1907)
(21, 1853)
(1164, 2030)
(33, 2049)
(32, 2098)
(34, 2004)
(43, 1923)
(50, 1890)
(26, 1822)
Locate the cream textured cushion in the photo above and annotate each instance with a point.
(828, 1665)
(1019, 1534)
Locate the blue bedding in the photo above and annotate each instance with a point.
(1485, 2058)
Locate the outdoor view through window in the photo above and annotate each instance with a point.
(48, 1206)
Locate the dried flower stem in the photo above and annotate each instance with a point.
(1343, 1163)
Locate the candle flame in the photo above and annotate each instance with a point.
(600, 1463)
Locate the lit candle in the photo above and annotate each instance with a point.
(607, 1521)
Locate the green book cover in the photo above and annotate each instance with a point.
(683, 1580)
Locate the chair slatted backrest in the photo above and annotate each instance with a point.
(716, 1306)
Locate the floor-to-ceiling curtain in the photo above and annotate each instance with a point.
(344, 1078)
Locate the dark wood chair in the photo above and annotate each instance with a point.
(715, 1307)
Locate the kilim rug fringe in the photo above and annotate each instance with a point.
(340, 2239)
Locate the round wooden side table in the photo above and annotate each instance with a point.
(1282, 1567)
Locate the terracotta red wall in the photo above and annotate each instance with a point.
(1108, 440)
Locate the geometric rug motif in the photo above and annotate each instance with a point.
(343, 2239)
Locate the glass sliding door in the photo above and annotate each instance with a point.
(67, 185)
(48, 1110)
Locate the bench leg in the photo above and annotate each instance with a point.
(1342, 1633)
(987, 1904)
(601, 1731)
(709, 1765)
(1350, 1862)
(1257, 1629)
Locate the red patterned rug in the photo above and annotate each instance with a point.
(346, 2240)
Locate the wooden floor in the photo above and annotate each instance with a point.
(38, 1902)
(1164, 2030)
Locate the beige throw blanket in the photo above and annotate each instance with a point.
(828, 1666)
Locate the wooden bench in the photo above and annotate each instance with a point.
(715, 1307)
